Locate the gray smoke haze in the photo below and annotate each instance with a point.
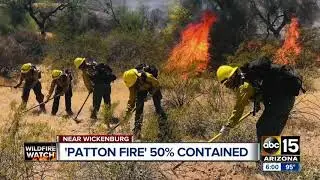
(317, 21)
(99, 5)
(152, 4)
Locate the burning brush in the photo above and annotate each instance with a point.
(192, 51)
(291, 48)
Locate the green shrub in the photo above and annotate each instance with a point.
(108, 113)
(150, 128)
(132, 42)
(121, 50)
(251, 50)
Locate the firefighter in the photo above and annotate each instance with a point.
(102, 87)
(140, 83)
(31, 75)
(88, 71)
(97, 79)
(277, 105)
(61, 83)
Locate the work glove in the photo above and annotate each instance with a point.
(257, 107)
(225, 130)
(16, 86)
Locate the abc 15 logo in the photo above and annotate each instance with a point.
(280, 145)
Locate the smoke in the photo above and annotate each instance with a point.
(163, 5)
(316, 23)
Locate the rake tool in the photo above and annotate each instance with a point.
(214, 138)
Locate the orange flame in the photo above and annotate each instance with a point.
(291, 48)
(192, 51)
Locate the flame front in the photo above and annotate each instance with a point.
(192, 51)
(291, 48)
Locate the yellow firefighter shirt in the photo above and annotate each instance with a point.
(150, 83)
(87, 75)
(243, 94)
(63, 82)
(87, 81)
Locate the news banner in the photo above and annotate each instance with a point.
(277, 153)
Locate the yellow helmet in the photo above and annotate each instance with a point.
(78, 61)
(26, 67)
(130, 77)
(56, 74)
(225, 72)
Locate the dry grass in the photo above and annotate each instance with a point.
(209, 105)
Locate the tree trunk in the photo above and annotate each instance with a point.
(42, 30)
(276, 34)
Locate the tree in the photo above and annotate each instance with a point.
(13, 16)
(235, 24)
(107, 7)
(41, 17)
(275, 14)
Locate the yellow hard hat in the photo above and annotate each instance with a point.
(26, 67)
(56, 74)
(130, 77)
(225, 72)
(78, 61)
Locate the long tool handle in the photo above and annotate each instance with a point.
(9, 86)
(75, 118)
(37, 105)
(219, 134)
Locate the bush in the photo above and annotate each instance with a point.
(150, 128)
(253, 49)
(119, 49)
(14, 18)
(179, 92)
(132, 42)
(310, 48)
(108, 113)
(196, 107)
(126, 50)
(12, 165)
(179, 17)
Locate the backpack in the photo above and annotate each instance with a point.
(68, 72)
(142, 68)
(104, 73)
(35, 69)
(272, 79)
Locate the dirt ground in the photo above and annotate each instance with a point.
(306, 126)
